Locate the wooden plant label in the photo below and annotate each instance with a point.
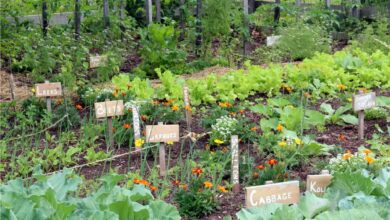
(272, 40)
(136, 124)
(285, 193)
(162, 133)
(48, 89)
(187, 105)
(96, 61)
(363, 101)
(109, 108)
(317, 183)
(235, 164)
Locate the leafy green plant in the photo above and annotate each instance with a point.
(338, 116)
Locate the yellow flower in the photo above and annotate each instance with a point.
(139, 142)
(349, 99)
(347, 156)
(279, 128)
(188, 108)
(341, 87)
(33, 90)
(291, 106)
(170, 142)
(218, 142)
(366, 151)
(298, 141)
(207, 184)
(369, 159)
(282, 144)
(222, 189)
(175, 108)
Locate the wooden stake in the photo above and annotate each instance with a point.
(161, 157)
(12, 86)
(187, 105)
(48, 101)
(110, 129)
(235, 164)
(361, 121)
(136, 125)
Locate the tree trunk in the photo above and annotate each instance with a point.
(277, 12)
(105, 14)
(45, 22)
(198, 41)
(245, 43)
(148, 10)
(77, 19)
(182, 20)
(158, 11)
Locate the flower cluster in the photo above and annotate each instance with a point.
(352, 161)
(224, 128)
(145, 183)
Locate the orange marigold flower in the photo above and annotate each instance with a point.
(228, 105)
(136, 181)
(176, 183)
(369, 159)
(366, 151)
(168, 102)
(184, 187)
(348, 151)
(254, 129)
(347, 156)
(222, 104)
(342, 137)
(123, 94)
(144, 182)
(207, 184)
(144, 117)
(222, 189)
(255, 175)
(279, 128)
(115, 94)
(79, 107)
(153, 188)
(241, 111)
(126, 126)
(188, 108)
(232, 114)
(197, 171)
(260, 167)
(175, 108)
(272, 162)
(307, 95)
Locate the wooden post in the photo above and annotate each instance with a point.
(187, 107)
(158, 11)
(198, 41)
(361, 121)
(148, 10)
(182, 24)
(277, 12)
(48, 100)
(105, 14)
(12, 86)
(327, 3)
(235, 164)
(136, 125)
(77, 19)
(45, 22)
(161, 157)
(110, 129)
(245, 43)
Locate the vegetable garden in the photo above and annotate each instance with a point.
(206, 109)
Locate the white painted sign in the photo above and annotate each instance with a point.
(162, 133)
(48, 89)
(272, 40)
(363, 101)
(136, 124)
(96, 61)
(109, 108)
(235, 160)
(285, 193)
(317, 184)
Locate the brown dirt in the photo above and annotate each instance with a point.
(22, 87)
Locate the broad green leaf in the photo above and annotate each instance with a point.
(311, 205)
(288, 213)
(327, 108)
(268, 124)
(163, 211)
(121, 81)
(351, 183)
(383, 101)
(350, 119)
(261, 213)
(262, 109)
(349, 214)
(128, 210)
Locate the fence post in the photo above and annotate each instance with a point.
(277, 12)
(182, 24)
(158, 11)
(246, 28)
(327, 3)
(105, 14)
(198, 41)
(45, 22)
(148, 10)
(77, 19)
